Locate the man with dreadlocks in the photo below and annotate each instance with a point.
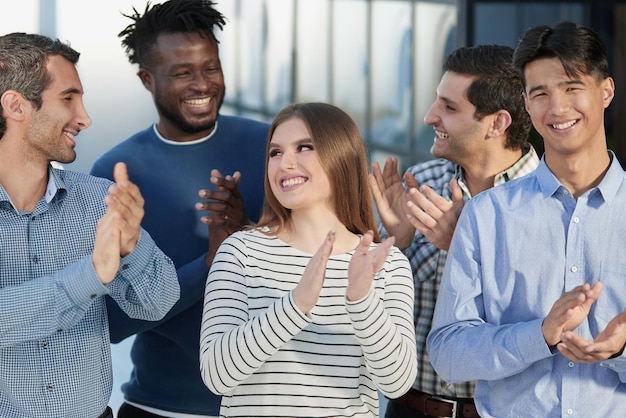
(190, 151)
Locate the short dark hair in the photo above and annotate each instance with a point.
(23, 60)
(173, 16)
(578, 47)
(495, 87)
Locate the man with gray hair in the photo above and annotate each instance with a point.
(67, 239)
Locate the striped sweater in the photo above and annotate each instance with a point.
(268, 359)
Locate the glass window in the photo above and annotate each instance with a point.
(250, 59)
(391, 73)
(279, 54)
(228, 40)
(434, 40)
(349, 59)
(505, 22)
(312, 51)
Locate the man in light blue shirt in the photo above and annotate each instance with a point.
(532, 297)
(67, 239)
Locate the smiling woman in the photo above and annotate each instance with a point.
(309, 277)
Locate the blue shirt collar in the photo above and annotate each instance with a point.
(608, 187)
(55, 183)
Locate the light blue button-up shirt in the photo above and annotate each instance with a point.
(55, 359)
(516, 249)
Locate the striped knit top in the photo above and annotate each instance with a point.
(268, 359)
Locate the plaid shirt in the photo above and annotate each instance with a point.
(427, 263)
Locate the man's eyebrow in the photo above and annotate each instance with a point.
(534, 89)
(179, 65)
(448, 101)
(563, 83)
(72, 90)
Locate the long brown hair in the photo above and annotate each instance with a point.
(341, 150)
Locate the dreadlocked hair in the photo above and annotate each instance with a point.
(173, 16)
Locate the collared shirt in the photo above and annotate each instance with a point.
(516, 249)
(427, 263)
(55, 356)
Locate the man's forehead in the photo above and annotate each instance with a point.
(63, 76)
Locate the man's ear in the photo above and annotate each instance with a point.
(501, 121)
(146, 79)
(608, 91)
(13, 105)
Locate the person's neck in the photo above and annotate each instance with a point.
(581, 171)
(24, 180)
(307, 231)
(479, 174)
(172, 133)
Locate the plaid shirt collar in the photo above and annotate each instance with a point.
(523, 166)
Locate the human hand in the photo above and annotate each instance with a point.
(125, 199)
(364, 265)
(608, 343)
(433, 215)
(390, 197)
(307, 292)
(106, 250)
(569, 311)
(227, 212)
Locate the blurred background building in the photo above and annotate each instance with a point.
(380, 60)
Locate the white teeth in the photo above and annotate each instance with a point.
(198, 102)
(441, 135)
(563, 125)
(69, 135)
(292, 182)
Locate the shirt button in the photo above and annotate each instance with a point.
(44, 344)
(576, 219)
(35, 259)
(570, 411)
(570, 364)
(574, 269)
(50, 387)
(125, 266)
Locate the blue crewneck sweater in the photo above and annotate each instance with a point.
(165, 354)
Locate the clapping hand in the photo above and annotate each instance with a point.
(433, 215)
(227, 212)
(364, 265)
(391, 197)
(117, 232)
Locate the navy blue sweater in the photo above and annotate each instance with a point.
(165, 354)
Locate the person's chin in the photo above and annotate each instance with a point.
(66, 159)
(437, 152)
(199, 125)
